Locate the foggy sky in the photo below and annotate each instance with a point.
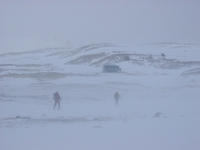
(91, 21)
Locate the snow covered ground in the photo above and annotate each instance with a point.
(158, 109)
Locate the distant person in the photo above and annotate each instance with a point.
(57, 99)
(116, 97)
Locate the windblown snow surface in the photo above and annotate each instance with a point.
(159, 107)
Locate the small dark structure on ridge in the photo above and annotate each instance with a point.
(162, 54)
(111, 68)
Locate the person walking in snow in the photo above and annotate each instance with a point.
(116, 97)
(57, 99)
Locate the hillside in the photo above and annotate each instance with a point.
(58, 61)
(158, 109)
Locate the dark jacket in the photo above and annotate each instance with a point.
(56, 96)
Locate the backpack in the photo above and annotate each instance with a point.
(55, 96)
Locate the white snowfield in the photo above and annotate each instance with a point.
(159, 108)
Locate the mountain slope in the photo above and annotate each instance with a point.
(48, 62)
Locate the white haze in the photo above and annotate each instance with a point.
(159, 105)
(158, 109)
(27, 25)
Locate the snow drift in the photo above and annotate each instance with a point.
(158, 109)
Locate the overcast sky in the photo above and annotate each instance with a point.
(82, 22)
